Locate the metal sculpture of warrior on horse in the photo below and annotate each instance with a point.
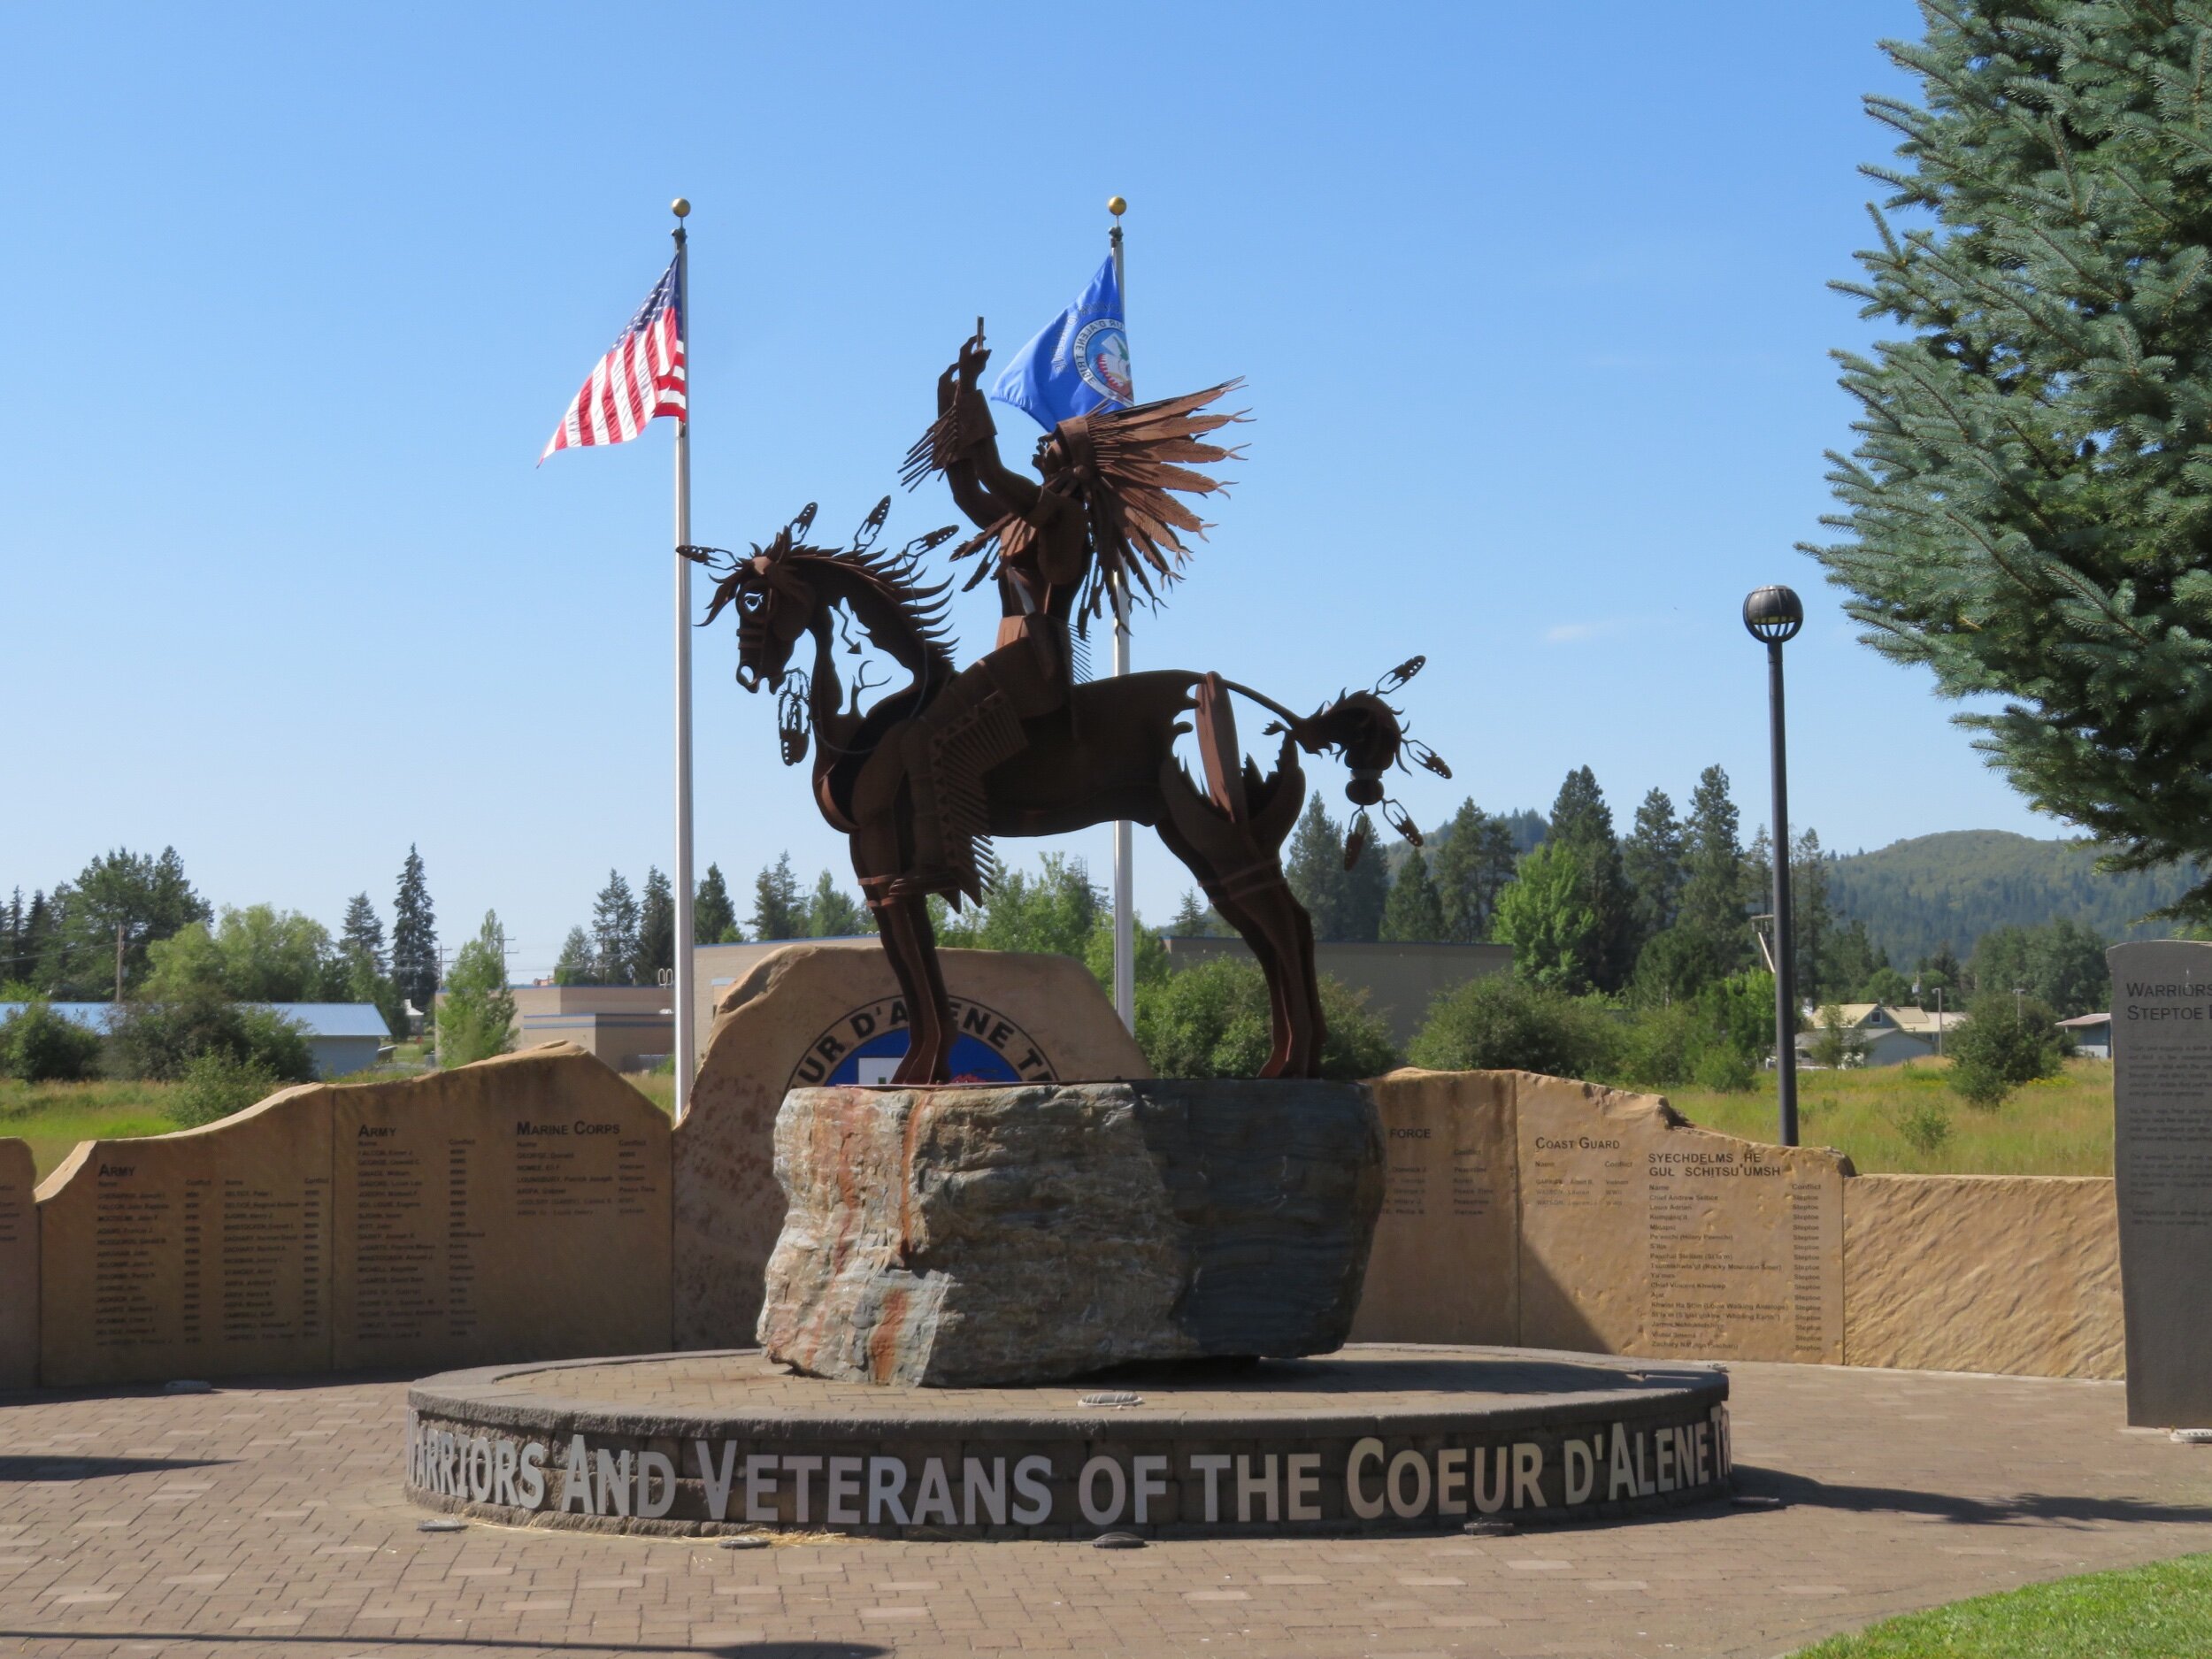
(1014, 743)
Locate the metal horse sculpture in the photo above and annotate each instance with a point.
(1017, 744)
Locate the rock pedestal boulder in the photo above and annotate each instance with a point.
(961, 1236)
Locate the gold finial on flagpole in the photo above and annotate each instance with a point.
(680, 208)
(1117, 206)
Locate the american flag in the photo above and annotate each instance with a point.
(642, 376)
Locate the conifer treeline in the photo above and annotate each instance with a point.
(632, 936)
(1661, 911)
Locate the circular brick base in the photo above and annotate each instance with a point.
(1380, 1437)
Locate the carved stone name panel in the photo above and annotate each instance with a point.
(523, 1211)
(1641, 1235)
(2161, 1052)
(201, 1253)
(19, 1267)
(1445, 1266)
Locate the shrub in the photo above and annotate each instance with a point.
(1500, 1024)
(1925, 1125)
(39, 1046)
(159, 1039)
(216, 1083)
(2006, 1042)
(1658, 1047)
(1212, 1020)
(1725, 1071)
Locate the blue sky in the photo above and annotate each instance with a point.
(1531, 302)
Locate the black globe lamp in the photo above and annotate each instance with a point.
(1773, 616)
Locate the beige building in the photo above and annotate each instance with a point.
(1401, 980)
(1888, 1036)
(631, 1027)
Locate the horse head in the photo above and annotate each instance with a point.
(775, 605)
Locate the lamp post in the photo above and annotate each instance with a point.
(1774, 615)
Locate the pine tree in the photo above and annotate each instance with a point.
(1366, 895)
(713, 918)
(655, 931)
(1712, 904)
(614, 918)
(1811, 921)
(1414, 915)
(1580, 819)
(1475, 858)
(1317, 873)
(2031, 498)
(361, 935)
(1194, 918)
(579, 963)
(414, 936)
(831, 913)
(1651, 858)
(779, 912)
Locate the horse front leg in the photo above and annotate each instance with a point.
(911, 944)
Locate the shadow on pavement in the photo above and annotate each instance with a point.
(258, 1639)
(2021, 1507)
(49, 1467)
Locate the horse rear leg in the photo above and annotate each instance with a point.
(1265, 909)
(902, 923)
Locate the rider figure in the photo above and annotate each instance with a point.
(1044, 556)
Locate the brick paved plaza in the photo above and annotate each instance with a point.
(267, 1520)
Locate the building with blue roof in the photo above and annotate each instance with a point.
(341, 1037)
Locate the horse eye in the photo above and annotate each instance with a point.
(752, 599)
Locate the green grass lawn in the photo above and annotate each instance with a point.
(2060, 1127)
(2162, 1611)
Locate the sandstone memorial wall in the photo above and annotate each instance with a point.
(1538, 1212)
(518, 1206)
(2162, 1159)
(19, 1267)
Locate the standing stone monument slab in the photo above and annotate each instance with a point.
(205, 1253)
(1446, 1262)
(1641, 1234)
(827, 1015)
(18, 1266)
(2162, 1159)
(519, 1210)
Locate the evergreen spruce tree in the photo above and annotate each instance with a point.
(1315, 872)
(35, 949)
(1194, 918)
(579, 963)
(1366, 895)
(1580, 819)
(1712, 903)
(1414, 915)
(614, 918)
(779, 912)
(831, 913)
(1811, 920)
(713, 918)
(12, 961)
(361, 935)
(1852, 963)
(1651, 858)
(147, 898)
(1474, 857)
(414, 936)
(656, 930)
(2031, 499)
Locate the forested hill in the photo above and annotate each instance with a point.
(1913, 896)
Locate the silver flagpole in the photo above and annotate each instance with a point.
(1125, 839)
(680, 980)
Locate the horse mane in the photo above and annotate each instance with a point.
(895, 578)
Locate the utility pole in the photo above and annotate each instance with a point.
(119, 962)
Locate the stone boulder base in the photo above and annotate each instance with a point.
(978, 1236)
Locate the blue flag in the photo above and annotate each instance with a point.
(1079, 361)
